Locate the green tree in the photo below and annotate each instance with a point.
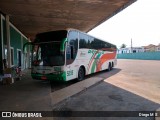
(123, 46)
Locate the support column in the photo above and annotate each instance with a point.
(22, 54)
(28, 56)
(1, 45)
(8, 41)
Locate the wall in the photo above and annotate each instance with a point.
(1, 49)
(17, 39)
(141, 56)
(25, 54)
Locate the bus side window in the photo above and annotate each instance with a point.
(68, 53)
(72, 47)
(72, 56)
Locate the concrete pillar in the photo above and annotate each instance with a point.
(28, 56)
(29, 49)
(1, 45)
(8, 41)
(22, 54)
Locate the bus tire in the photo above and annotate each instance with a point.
(81, 73)
(112, 64)
(109, 67)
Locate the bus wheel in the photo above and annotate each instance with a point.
(81, 74)
(112, 64)
(109, 67)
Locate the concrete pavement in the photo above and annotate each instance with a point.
(132, 86)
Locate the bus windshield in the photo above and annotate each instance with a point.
(48, 54)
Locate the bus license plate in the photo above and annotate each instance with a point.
(43, 77)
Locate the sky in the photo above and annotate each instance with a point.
(139, 22)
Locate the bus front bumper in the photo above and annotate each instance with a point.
(52, 77)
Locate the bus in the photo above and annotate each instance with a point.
(69, 54)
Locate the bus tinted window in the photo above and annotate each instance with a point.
(73, 39)
(51, 36)
(72, 46)
(83, 41)
(101, 45)
(89, 42)
(47, 54)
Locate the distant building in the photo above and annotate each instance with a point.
(150, 48)
(130, 50)
(158, 47)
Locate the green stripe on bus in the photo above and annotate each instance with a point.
(62, 47)
(90, 61)
(95, 63)
(93, 66)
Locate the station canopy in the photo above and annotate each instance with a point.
(36, 16)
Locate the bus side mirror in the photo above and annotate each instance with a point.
(25, 45)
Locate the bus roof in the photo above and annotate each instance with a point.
(49, 36)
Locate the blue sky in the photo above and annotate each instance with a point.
(139, 22)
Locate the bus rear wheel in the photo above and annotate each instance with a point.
(109, 67)
(81, 74)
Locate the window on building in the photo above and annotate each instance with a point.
(12, 56)
(134, 51)
(19, 57)
(5, 53)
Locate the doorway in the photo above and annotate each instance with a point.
(19, 58)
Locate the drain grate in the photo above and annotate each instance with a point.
(116, 97)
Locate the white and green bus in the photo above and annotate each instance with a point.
(65, 55)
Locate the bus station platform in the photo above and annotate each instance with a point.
(36, 95)
(25, 95)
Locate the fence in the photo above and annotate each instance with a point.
(141, 56)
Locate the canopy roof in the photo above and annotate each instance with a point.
(32, 16)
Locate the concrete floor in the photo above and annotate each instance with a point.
(25, 95)
(133, 85)
(139, 77)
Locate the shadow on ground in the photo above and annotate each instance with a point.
(29, 94)
(107, 97)
(26, 94)
(103, 74)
